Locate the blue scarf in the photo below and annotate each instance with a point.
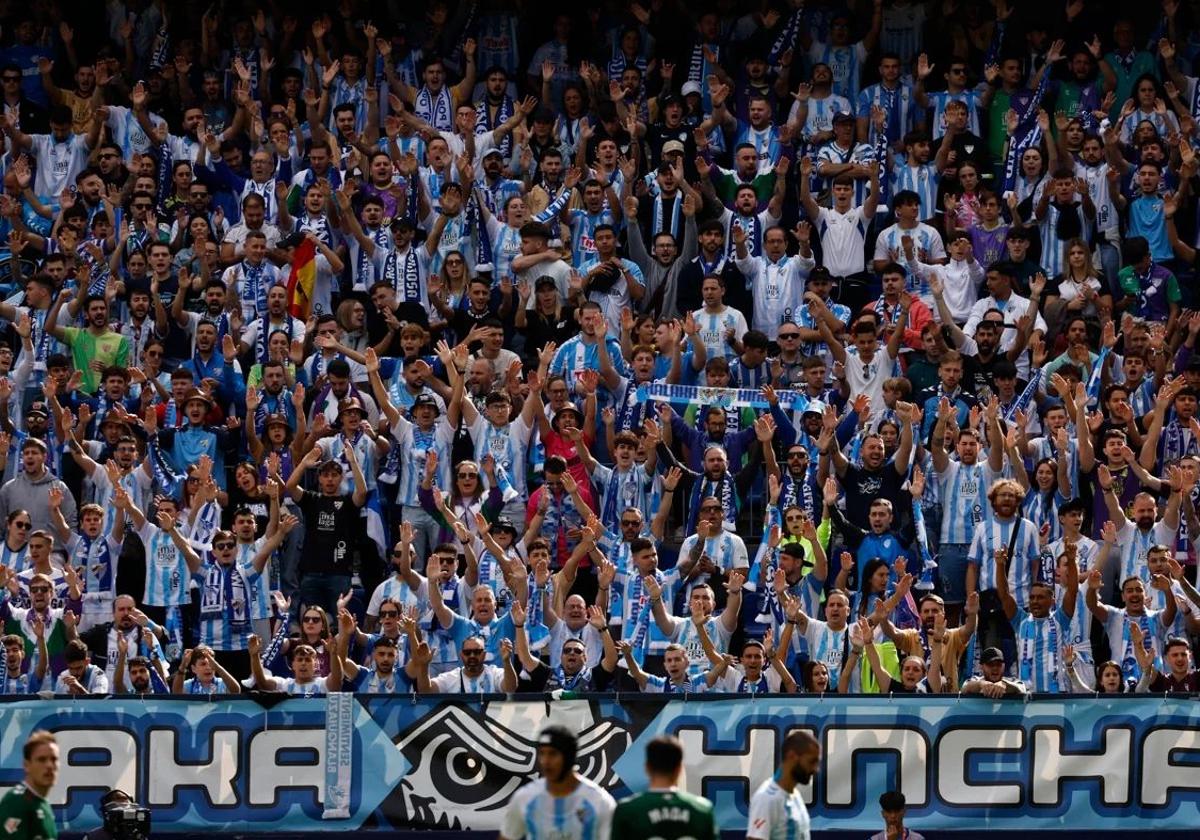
(723, 489)
(1028, 134)
(256, 290)
(226, 595)
(403, 272)
(484, 122)
(435, 108)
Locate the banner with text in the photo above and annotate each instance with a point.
(247, 765)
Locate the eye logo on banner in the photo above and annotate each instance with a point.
(466, 765)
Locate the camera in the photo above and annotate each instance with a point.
(126, 821)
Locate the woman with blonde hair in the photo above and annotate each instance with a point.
(1081, 289)
(352, 318)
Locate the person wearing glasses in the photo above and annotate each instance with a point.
(14, 550)
(474, 676)
(30, 116)
(778, 280)
(956, 91)
(226, 593)
(387, 672)
(572, 672)
(58, 622)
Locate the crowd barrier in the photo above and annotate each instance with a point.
(250, 764)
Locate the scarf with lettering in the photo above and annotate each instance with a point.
(753, 228)
(722, 488)
(403, 272)
(256, 289)
(226, 594)
(435, 108)
(658, 212)
(1027, 135)
(1025, 399)
(265, 328)
(165, 476)
(485, 122)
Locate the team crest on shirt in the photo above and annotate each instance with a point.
(12, 824)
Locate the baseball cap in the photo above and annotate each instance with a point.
(842, 116)
(426, 400)
(991, 655)
(492, 151)
(689, 88)
(672, 147)
(37, 407)
(545, 282)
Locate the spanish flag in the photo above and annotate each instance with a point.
(302, 280)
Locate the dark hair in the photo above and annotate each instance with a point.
(664, 755)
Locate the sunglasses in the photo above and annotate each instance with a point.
(797, 455)
(36, 589)
(788, 336)
(468, 475)
(472, 653)
(24, 526)
(312, 619)
(389, 614)
(631, 523)
(10, 78)
(140, 206)
(223, 546)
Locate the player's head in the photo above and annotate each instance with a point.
(892, 806)
(41, 761)
(664, 760)
(557, 747)
(801, 756)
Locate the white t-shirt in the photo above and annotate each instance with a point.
(491, 681)
(868, 378)
(843, 240)
(58, 163)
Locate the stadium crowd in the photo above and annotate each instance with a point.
(766, 346)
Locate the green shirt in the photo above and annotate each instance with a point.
(26, 816)
(108, 348)
(666, 814)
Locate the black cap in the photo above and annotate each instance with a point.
(991, 655)
(426, 401)
(842, 116)
(544, 282)
(503, 523)
(558, 737)
(669, 99)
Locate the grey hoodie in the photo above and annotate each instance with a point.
(23, 493)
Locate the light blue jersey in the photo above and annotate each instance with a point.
(167, 573)
(992, 535)
(963, 490)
